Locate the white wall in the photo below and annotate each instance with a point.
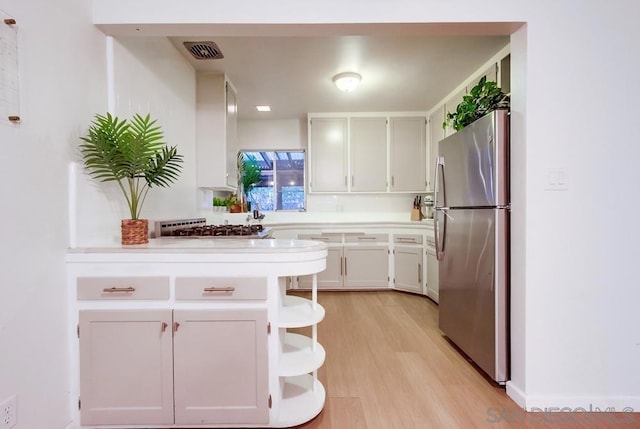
(575, 340)
(150, 77)
(62, 81)
(575, 291)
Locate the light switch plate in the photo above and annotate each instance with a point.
(556, 179)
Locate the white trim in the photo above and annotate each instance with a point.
(515, 393)
(495, 59)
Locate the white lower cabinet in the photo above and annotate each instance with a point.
(220, 366)
(408, 263)
(408, 269)
(138, 366)
(355, 261)
(182, 350)
(366, 267)
(433, 289)
(126, 367)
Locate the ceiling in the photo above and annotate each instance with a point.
(293, 74)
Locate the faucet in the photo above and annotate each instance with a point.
(256, 213)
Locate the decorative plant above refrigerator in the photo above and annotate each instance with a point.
(483, 98)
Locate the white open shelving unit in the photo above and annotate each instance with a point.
(302, 394)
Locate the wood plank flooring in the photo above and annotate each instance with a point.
(388, 366)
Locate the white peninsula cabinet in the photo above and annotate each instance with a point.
(193, 335)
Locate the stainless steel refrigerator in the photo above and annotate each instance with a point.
(472, 241)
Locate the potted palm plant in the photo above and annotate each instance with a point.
(133, 154)
(248, 175)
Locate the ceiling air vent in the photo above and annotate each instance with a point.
(204, 50)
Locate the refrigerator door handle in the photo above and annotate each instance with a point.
(440, 233)
(439, 208)
(437, 185)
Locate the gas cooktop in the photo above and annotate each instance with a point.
(197, 228)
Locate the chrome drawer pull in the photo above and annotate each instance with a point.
(406, 240)
(119, 289)
(367, 238)
(228, 289)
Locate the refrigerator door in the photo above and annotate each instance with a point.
(472, 168)
(473, 286)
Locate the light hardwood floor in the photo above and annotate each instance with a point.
(388, 366)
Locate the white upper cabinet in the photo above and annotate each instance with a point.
(407, 146)
(328, 154)
(368, 146)
(216, 132)
(367, 153)
(231, 118)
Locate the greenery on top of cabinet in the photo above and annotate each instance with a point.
(483, 98)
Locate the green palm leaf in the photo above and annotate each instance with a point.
(132, 153)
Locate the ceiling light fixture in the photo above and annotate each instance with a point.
(347, 81)
(263, 108)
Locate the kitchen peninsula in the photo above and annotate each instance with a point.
(194, 333)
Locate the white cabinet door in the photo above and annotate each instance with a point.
(408, 268)
(368, 154)
(436, 133)
(126, 370)
(216, 132)
(328, 154)
(221, 366)
(433, 290)
(366, 267)
(408, 158)
(332, 276)
(231, 116)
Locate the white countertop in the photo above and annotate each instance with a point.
(246, 251)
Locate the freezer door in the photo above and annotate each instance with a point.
(475, 160)
(473, 287)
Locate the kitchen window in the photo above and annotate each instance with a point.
(281, 185)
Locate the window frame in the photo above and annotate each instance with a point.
(250, 152)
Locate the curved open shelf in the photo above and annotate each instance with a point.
(297, 312)
(302, 399)
(299, 356)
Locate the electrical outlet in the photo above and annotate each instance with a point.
(8, 413)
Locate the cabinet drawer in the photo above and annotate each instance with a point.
(122, 288)
(221, 288)
(407, 238)
(366, 238)
(326, 237)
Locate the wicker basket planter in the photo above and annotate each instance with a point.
(134, 231)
